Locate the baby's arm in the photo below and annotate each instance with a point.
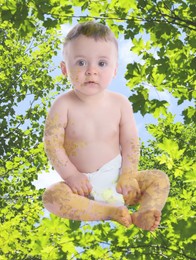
(130, 150)
(129, 140)
(54, 134)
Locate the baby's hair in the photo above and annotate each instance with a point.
(91, 29)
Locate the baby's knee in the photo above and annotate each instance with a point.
(54, 193)
(162, 178)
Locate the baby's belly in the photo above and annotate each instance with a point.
(92, 157)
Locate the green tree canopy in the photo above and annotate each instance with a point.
(163, 34)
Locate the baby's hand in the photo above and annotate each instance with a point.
(79, 184)
(128, 186)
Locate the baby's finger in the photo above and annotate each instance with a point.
(134, 189)
(86, 190)
(125, 191)
(128, 200)
(119, 189)
(138, 193)
(89, 187)
(80, 191)
(74, 190)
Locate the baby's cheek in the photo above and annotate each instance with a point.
(75, 76)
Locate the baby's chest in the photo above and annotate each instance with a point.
(89, 125)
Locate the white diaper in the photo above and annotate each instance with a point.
(104, 182)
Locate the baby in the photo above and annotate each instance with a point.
(92, 141)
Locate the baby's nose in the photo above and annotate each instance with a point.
(91, 70)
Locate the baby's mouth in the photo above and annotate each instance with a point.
(90, 82)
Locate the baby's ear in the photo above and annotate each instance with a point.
(63, 68)
(115, 71)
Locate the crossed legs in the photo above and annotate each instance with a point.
(59, 200)
(154, 186)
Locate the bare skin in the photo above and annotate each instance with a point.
(60, 200)
(86, 128)
(147, 220)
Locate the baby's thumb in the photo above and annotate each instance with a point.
(119, 189)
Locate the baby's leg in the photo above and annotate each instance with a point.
(59, 200)
(154, 186)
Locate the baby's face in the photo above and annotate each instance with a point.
(90, 65)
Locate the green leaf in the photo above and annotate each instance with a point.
(163, 35)
(74, 224)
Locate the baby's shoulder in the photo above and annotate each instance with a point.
(61, 104)
(118, 98)
(63, 99)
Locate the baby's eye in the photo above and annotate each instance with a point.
(102, 63)
(81, 63)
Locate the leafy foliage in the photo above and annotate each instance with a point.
(163, 35)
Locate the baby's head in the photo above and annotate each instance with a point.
(91, 29)
(90, 55)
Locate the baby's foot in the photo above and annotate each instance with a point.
(147, 220)
(122, 216)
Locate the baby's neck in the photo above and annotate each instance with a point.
(90, 99)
